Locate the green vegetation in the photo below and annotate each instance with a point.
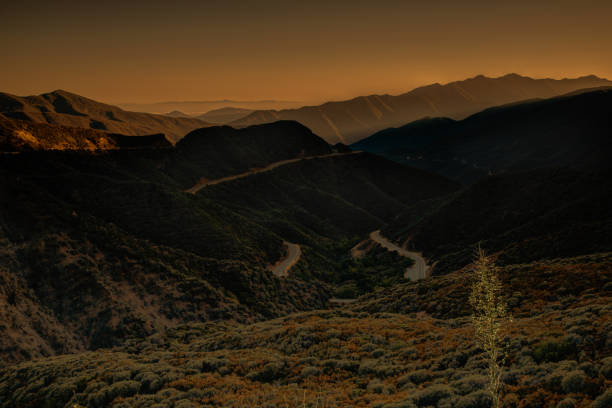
(542, 214)
(489, 318)
(348, 357)
(98, 248)
(120, 289)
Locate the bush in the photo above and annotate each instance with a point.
(401, 404)
(552, 351)
(404, 382)
(604, 400)
(470, 384)
(589, 369)
(310, 371)
(150, 382)
(606, 368)
(375, 386)
(420, 376)
(269, 372)
(433, 394)
(108, 394)
(477, 399)
(566, 403)
(573, 381)
(184, 403)
(511, 400)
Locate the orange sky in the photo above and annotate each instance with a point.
(307, 51)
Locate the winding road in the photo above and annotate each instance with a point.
(281, 268)
(205, 182)
(416, 271)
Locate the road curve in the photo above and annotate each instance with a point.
(416, 271)
(281, 268)
(203, 182)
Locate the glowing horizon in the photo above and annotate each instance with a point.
(156, 51)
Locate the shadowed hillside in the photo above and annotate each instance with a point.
(572, 130)
(540, 214)
(101, 247)
(122, 285)
(352, 120)
(67, 109)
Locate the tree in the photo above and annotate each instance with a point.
(490, 315)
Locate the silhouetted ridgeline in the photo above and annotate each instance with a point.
(352, 120)
(572, 130)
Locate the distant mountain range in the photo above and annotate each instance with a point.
(336, 122)
(572, 130)
(351, 120)
(68, 109)
(195, 108)
(225, 115)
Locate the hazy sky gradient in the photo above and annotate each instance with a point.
(311, 51)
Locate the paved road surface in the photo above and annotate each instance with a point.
(415, 272)
(205, 182)
(281, 268)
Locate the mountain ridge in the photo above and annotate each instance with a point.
(351, 120)
(68, 109)
(568, 130)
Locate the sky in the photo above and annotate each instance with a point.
(314, 51)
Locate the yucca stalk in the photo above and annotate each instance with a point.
(490, 315)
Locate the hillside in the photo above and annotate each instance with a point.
(68, 109)
(102, 247)
(364, 356)
(217, 151)
(351, 120)
(21, 135)
(122, 286)
(572, 130)
(541, 214)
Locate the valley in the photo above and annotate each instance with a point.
(264, 265)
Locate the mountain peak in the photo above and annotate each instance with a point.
(514, 75)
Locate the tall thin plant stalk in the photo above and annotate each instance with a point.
(490, 316)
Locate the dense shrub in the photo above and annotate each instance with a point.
(469, 384)
(375, 386)
(150, 382)
(433, 394)
(555, 350)
(606, 368)
(269, 372)
(566, 403)
(573, 381)
(604, 400)
(477, 399)
(310, 371)
(420, 376)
